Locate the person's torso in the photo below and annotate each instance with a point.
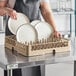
(28, 7)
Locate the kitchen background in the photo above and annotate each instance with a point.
(63, 11)
(65, 19)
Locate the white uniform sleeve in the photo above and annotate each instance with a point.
(45, 1)
(11, 3)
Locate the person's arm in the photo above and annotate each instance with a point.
(3, 3)
(4, 10)
(48, 16)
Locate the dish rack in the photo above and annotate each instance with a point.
(51, 45)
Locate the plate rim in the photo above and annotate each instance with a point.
(36, 23)
(36, 34)
(10, 19)
(43, 22)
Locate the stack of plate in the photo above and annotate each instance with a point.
(26, 31)
(43, 29)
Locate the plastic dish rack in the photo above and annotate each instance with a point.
(51, 45)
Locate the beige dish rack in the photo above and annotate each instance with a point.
(51, 45)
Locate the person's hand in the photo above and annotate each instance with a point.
(2, 11)
(12, 13)
(57, 34)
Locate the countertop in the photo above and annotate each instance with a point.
(9, 60)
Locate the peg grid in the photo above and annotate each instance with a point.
(40, 47)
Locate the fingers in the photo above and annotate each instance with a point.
(57, 35)
(2, 12)
(12, 13)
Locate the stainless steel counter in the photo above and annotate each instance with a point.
(9, 60)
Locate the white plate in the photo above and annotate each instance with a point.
(44, 30)
(35, 22)
(14, 24)
(26, 33)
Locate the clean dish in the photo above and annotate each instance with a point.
(35, 22)
(14, 24)
(26, 33)
(44, 30)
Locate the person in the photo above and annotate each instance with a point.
(32, 9)
(32, 6)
